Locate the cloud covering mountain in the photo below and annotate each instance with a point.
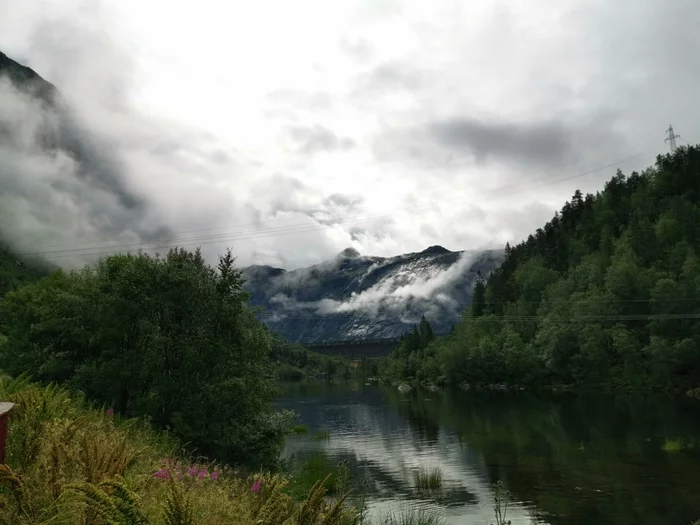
(290, 130)
(354, 297)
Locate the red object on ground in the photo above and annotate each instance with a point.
(4, 412)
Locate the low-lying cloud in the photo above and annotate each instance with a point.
(279, 136)
(59, 186)
(340, 295)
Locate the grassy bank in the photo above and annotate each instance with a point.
(70, 463)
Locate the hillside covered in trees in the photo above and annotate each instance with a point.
(606, 294)
(16, 271)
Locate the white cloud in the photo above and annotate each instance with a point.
(234, 123)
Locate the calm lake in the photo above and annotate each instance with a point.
(566, 459)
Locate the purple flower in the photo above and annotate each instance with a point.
(192, 471)
(110, 411)
(256, 486)
(214, 476)
(202, 474)
(162, 473)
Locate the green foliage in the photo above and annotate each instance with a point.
(111, 501)
(605, 295)
(293, 362)
(178, 509)
(300, 429)
(16, 271)
(316, 466)
(405, 361)
(169, 338)
(121, 479)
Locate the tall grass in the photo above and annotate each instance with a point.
(71, 463)
(413, 517)
(303, 475)
(300, 429)
(322, 435)
(501, 499)
(427, 479)
(671, 445)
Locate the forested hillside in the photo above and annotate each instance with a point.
(605, 294)
(16, 271)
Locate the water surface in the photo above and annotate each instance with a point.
(566, 459)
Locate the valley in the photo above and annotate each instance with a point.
(555, 380)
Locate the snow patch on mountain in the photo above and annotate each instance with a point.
(353, 297)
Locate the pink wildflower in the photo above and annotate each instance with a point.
(162, 473)
(110, 411)
(202, 474)
(256, 486)
(192, 471)
(214, 476)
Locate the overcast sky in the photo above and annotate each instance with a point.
(256, 124)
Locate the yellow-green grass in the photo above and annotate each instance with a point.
(69, 463)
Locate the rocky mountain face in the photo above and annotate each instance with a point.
(354, 297)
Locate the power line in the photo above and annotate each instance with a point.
(285, 230)
(574, 319)
(350, 217)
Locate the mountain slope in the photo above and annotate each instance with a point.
(63, 179)
(27, 80)
(606, 294)
(354, 297)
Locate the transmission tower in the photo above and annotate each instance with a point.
(671, 139)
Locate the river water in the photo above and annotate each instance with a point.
(565, 459)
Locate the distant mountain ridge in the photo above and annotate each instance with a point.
(350, 297)
(355, 297)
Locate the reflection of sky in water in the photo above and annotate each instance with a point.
(382, 447)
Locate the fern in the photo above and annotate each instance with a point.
(102, 458)
(276, 508)
(110, 501)
(311, 508)
(16, 484)
(60, 452)
(11, 385)
(178, 509)
(126, 501)
(335, 514)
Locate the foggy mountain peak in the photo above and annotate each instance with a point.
(349, 253)
(365, 297)
(437, 249)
